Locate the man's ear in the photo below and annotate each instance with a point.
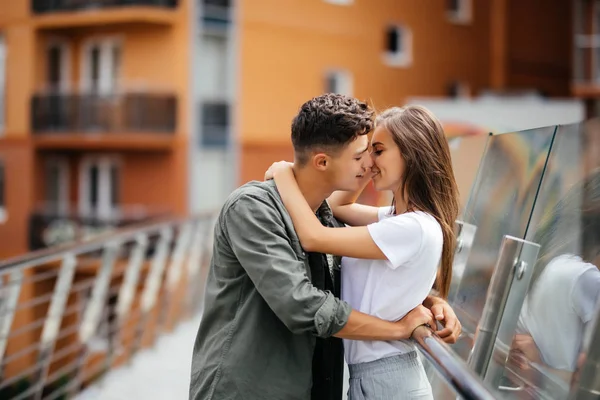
(321, 161)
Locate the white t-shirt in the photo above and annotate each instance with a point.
(389, 289)
(559, 308)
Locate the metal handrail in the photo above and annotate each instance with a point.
(452, 369)
(86, 246)
(137, 282)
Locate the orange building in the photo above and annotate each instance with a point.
(93, 123)
(385, 51)
(586, 54)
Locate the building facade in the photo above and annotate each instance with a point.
(94, 124)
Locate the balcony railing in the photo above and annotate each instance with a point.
(95, 113)
(70, 314)
(49, 227)
(49, 6)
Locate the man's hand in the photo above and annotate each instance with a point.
(277, 166)
(443, 313)
(416, 317)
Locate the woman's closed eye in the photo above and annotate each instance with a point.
(376, 152)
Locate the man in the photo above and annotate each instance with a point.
(273, 322)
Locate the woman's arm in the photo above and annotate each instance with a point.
(344, 207)
(350, 242)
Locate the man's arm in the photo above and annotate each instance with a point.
(362, 326)
(258, 238)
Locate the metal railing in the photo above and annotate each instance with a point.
(68, 314)
(48, 6)
(103, 113)
(451, 368)
(52, 226)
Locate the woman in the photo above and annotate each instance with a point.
(395, 250)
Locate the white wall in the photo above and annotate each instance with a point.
(505, 114)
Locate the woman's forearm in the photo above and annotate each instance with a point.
(306, 223)
(343, 198)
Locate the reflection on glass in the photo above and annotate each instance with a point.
(560, 309)
(500, 204)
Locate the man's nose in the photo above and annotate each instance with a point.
(368, 164)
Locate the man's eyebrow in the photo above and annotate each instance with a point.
(362, 151)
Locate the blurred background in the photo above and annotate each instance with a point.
(114, 111)
(117, 112)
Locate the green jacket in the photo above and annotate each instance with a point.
(262, 312)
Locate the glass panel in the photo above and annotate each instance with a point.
(393, 41)
(557, 315)
(114, 186)
(94, 68)
(500, 204)
(116, 67)
(93, 186)
(53, 188)
(579, 64)
(54, 66)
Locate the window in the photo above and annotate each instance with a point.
(101, 66)
(216, 13)
(340, 2)
(586, 50)
(3, 213)
(459, 11)
(57, 65)
(2, 80)
(398, 46)
(339, 81)
(99, 183)
(57, 184)
(215, 124)
(458, 89)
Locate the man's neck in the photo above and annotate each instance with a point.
(313, 187)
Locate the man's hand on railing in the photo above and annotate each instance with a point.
(418, 316)
(444, 314)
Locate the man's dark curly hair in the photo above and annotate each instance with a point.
(328, 123)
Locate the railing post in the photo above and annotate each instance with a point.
(174, 274)
(153, 282)
(62, 287)
(8, 307)
(194, 265)
(504, 300)
(127, 293)
(93, 311)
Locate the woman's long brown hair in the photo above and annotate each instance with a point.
(428, 181)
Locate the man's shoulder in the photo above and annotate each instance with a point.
(252, 193)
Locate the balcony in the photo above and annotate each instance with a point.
(72, 13)
(135, 118)
(50, 6)
(49, 226)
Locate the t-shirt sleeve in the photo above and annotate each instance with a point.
(586, 294)
(384, 212)
(399, 238)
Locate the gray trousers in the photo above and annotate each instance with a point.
(393, 378)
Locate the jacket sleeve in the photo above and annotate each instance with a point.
(258, 238)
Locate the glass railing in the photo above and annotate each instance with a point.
(526, 281)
